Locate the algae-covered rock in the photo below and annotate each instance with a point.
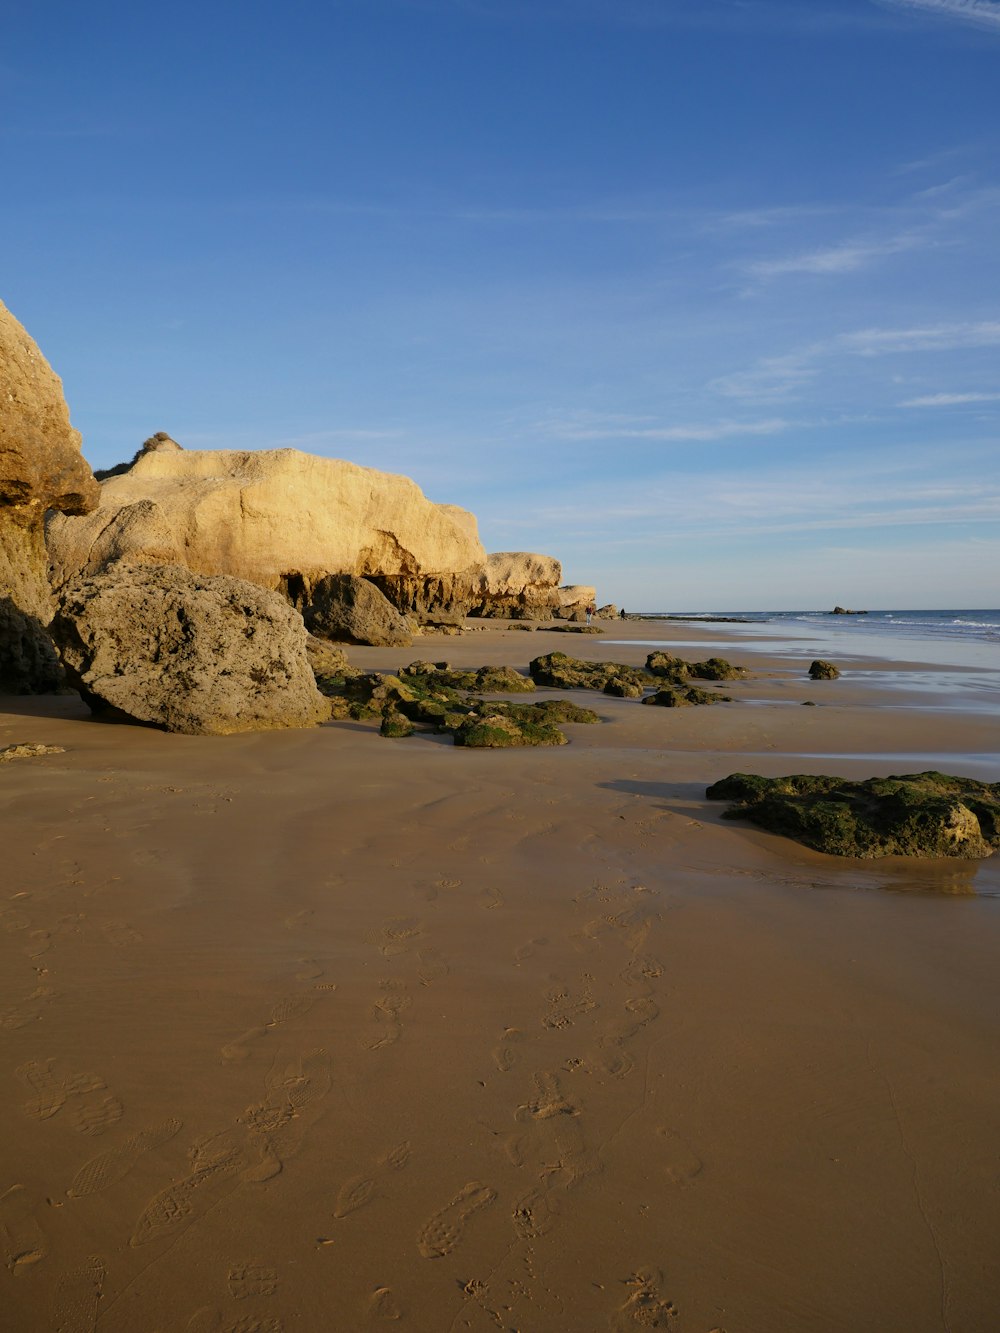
(502, 680)
(623, 689)
(676, 696)
(820, 670)
(717, 668)
(394, 724)
(676, 670)
(918, 814)
(573, 673)
(500, 731)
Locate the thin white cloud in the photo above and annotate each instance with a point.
(925, 338)
(980, 13)
(777, 378)
(845, 258)
(951, 399)
(586, 429)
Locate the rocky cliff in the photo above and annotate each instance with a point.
(263, 515)
(41, 468)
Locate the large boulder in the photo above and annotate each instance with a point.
(263, 515)
(185, 652)
(347, 609)
(41, 468)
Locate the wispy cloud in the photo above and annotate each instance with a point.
(980, 13)
(844, 258)
(777, 378)
(586, 427)
(951, 399)
(925, 338)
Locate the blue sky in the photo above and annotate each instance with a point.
(701, 297)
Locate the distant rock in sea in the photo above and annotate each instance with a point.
(41, 468)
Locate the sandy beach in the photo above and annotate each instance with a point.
(319, 1031)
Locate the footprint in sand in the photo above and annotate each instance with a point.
(95, 1109)
(354, 1194)
(642, 971)
(121, 934)
(396, 1158)
(96, 1112)
(382, 1305)
(644, 1307)
(505, 1053)
(442, 1233)
(387, 1010)
(28, 1010)
(362, 1189)
(396, 936)
(680, 1165)
(105, 1170)
(432, 967)
(547, 1102)
(77, 1299)
(528, 950)
(21, 1238)
(247, 1280)
(169, 1213)
(290, 1007)
(490, 899)
(615, 1059)
(210, 1320)
(535, 1213)
(563, 1008)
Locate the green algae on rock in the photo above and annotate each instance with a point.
(917, 814)
(500, 731)
(676, 670)
(820, 670)
(573, 673)
(674, 696)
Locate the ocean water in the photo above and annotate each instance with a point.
(948, 638)
(957, 626)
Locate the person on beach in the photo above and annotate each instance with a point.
(622, 615)
(591, 608)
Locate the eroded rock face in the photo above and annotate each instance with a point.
(188, 653)
(263, 515)
(346, 609)
(917, 814)
(41, 468)
(521, 585)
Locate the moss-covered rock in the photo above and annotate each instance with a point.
(502, 680)
(623, 689)
(677, 696)
(573, 673)
(717, 668)
(500, 731)
(394, 724)
(820, 670)
(918, 814)
(676, 670)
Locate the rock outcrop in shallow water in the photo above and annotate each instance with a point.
(918, 814)
(188, 653)
(41, 468)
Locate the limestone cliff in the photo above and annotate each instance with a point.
(41, 468)
(263, 515)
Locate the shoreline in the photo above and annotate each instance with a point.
(452, 1037)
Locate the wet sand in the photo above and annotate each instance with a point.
(319, 1031)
